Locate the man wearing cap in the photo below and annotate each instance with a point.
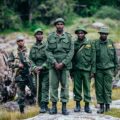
(39, 66)
(21, 64)
(83, 68)
(106, 66)
(59, 52)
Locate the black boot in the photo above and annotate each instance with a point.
(53, 110)
(46, 106)
(107, 107)
(21, 107)
(77, 108)
(42, 107)
(101, 110)
(87, 108)
(64, 109)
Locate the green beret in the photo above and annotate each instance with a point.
(38, 30)
(59, 20)
(80, 28)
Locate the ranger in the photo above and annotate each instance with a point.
(39, 66)
(83, 68)
(21, 64)
(106, 67)
(59, 52)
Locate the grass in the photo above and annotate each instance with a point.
(114, 112)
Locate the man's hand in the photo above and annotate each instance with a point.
(56, 66)
(37, 69)
(21, 65)
(59, 66)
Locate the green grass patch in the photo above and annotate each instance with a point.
(114, 112)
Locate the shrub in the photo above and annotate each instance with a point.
(108, 12)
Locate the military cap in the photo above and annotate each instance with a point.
(59, 20)
(19, 37)
(38, 30)
(104, 30)
(80, 28)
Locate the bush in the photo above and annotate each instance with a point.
(9, 20)
(108, 12)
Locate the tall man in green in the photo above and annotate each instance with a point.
(83, 68)
(106, 66)
(59, 52)
(39, 66)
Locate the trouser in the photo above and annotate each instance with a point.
(103, 85)
(81, 80)
(43, 92)
(56, 77)
(21, 89)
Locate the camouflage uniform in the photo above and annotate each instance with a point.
(22, 77)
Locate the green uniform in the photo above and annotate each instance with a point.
(23, 76)
(39, 59)
(106, 64)
(83, 66)
(59, 50)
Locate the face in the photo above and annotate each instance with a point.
(39, 36)
(20, 43)
(103, 36)
(81, 35)
(59, 26)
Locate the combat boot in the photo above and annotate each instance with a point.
(77, 108)
(107, 107)
(87, 108)
(64, 109)
(46, 106)
(21, 107)
(53, 110)
(42, 107)
(101, 110)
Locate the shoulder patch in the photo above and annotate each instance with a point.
(88, 46)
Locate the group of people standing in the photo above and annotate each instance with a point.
(55, 60)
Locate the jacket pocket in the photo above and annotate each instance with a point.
(65, 44)
(52, 44)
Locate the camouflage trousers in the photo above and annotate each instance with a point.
(21, 89)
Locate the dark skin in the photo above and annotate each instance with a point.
(39, 38)
(103, 36)
(20, 44)
(81, 35)
(59, 30)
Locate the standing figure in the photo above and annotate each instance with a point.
(39, 66)
(106, 67)
(83, 68)
(59, 52)
(23, 78)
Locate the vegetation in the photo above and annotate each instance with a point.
(18, 14)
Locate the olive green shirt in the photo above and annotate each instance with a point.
(105, 55)
(84, 56)
(37, 55)
(60, 49)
